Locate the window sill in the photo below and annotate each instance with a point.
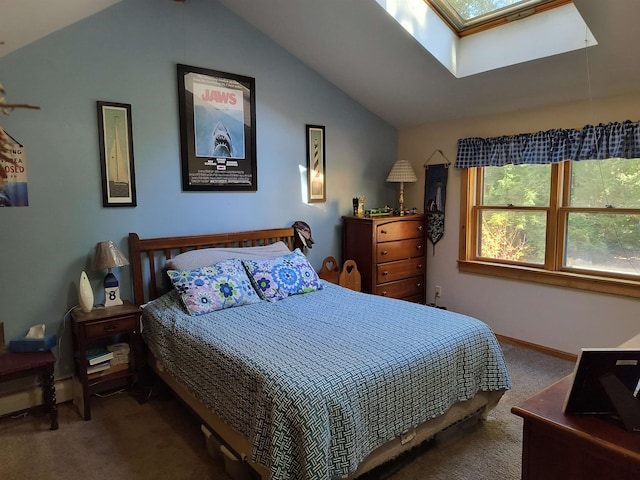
(593, 283)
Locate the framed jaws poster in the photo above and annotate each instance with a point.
(217, 130)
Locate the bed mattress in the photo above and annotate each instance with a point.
(318, 381)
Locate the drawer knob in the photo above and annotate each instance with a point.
(419, 284)
(419, 247)
(419, 266)
(384, 294)
(419, 228)
(111, 327)
(385, 273)
(383, 232)
(384, 252)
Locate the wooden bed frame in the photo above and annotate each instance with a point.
(148, 257)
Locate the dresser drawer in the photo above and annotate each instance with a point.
(112, 327)
(402, 288)
(390, 272)
(400, 250)
(400, 230)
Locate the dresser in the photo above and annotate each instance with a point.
(556, 446)
(390, 254)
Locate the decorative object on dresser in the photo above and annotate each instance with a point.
(606, 382)
(108, 256)
(558, 446)
(389, 252)
(402, 172)
(85, 293)
(94, 333)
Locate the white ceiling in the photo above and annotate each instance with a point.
(357, 46)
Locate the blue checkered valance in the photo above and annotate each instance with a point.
(593, 142)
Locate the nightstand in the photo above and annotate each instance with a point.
(100, 327)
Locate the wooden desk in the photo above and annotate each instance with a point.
(19, 365)
(559, 446)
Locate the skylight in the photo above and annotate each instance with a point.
(552, 31)
(470, 16)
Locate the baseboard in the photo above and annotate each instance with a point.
(538, 348)
(31, 396)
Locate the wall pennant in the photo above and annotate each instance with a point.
(435, 194)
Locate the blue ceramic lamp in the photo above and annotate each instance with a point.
(108, 256)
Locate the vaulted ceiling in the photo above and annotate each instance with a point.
(358, 47)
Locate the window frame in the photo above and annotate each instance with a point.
(552, 272)
(489, 20)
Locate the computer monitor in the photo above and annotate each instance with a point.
(606, 381)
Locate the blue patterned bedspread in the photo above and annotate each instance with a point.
(317, 381)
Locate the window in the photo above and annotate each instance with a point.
(468, 16)
(573, 223)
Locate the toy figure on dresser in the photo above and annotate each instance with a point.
(358, 206)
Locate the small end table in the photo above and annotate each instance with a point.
(102, 324)
(19, 365)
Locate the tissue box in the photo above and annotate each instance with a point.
(24, 344)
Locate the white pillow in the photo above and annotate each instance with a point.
(208, 256)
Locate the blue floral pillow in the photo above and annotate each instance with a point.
(277, 278)
(207, 289)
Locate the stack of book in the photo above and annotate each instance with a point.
(100, 363)
(120, 353)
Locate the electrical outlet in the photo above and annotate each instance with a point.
(438, 291)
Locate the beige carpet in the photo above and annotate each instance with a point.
(162, 440)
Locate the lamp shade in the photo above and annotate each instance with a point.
(402, 171)
(109, 256)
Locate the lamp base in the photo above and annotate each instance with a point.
(112, 296)
(401, 199)
(111, 290)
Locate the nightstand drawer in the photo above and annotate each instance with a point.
(400, 230)
(110, 327)
(402, 288)
(390, 272)
(400, 250)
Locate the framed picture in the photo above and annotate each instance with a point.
(316, 174)
(116, 155)
(217, 130)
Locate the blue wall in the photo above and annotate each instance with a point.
(128, 54)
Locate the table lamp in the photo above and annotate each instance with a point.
(108, 256)
(402, 172)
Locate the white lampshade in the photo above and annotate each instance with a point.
(402, 171)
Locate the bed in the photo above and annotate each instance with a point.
(323, 384)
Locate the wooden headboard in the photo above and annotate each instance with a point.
(148, 256)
